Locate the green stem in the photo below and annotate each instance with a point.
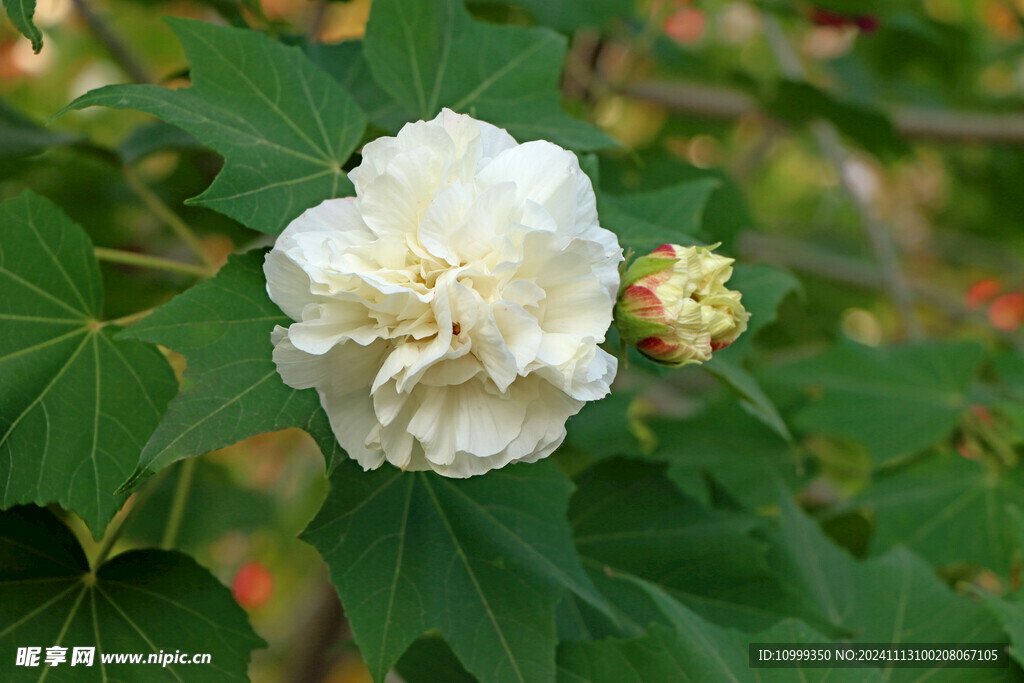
(113, 532)
(145, 261)
(168, 216)
(177, 512)
(111, 536)
(129, 319)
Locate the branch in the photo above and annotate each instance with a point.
(716, 102)
(167, 215)
(114, 45)
(833, 148)
(810, 259)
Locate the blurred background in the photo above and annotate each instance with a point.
(875, 150)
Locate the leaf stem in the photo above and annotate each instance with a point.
(132, 258)
(113, 532)
(166, 214)
(129, 319)
(188, 469)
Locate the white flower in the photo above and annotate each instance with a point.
(449, 315)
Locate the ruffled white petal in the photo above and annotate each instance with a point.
(450, 314)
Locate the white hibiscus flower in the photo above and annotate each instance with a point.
(449, 315)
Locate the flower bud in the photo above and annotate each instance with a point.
(675, 308)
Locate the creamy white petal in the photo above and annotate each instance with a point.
(287, 284)
(450, 314)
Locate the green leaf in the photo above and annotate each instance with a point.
(799, 102)
(20, 13)
(76, 405)
(147, 139)
(628, 519)
(20, 136)
(947, 508)
(896, 401)
(484, 560)
(764, 288)
(662, 654)
(231, 387)
(430, 55)
(645, 220)
(430, 660)
(284, 127)
(1010, 614)
(347, 64)
(751, 396)
(742, 455)
(692, 649)
(142, 601)
(890, 599)
(605, 429)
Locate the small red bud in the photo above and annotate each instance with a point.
(253, 585)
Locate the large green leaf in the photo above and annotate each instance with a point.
(483, 559)
(645, 220)
(231, 387)
(76, 405)
(895, 598)
(347, 64)
(749, 392)
(896, 401)
(142, 601)
(735, 449)
(689, 648)
(20, 13)
(764, 288)
(284, 127)
(628, 519)
(1010, 614)
(947, 508)
(429, 55)
(799, 102)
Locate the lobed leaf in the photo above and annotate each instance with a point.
(629, 520)
(76, 404)
(141, 601)
(430, 55)
(896, 401)
(947, 508)
(895, 598)
(231, 387)
(484, 560)
(284, 127)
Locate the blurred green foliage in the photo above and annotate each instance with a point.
(861, 160)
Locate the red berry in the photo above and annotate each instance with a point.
(253, 585)
(1007, 312)
(982, 291)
